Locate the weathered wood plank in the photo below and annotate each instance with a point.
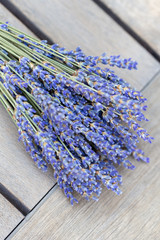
(6, 16)
(133, 215)
(9, 217)
(142, 16)
(73, 23)
(17, 170)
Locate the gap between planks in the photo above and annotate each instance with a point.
(13, 200)
(128, 29)
(9, 217)
(26, 21)
(40, 34)
(149, 82)
(32, 212)
(142, 16)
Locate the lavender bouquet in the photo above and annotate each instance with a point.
(81, 119)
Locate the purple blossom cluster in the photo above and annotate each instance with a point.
(80, 118)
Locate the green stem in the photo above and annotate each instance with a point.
(71, 77)
(45, 47)
(7, 94)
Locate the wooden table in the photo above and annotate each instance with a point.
(31, 204)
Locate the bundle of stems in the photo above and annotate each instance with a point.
(71, 113)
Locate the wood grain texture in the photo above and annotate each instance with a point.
(73, 23)
(18, 173)
(133, 215)
(9, 217)
(6, 16)
(142, 16)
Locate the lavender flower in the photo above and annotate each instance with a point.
(81, 119)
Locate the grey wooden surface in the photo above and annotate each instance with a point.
(142, 16)
(133, 215)
(72, 23)
(9, 217)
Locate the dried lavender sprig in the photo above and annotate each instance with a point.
(5, 26)
(108, 184)
(118, 101)
(72, 79)
(112, 98)
(78, 54)
(92, 167)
